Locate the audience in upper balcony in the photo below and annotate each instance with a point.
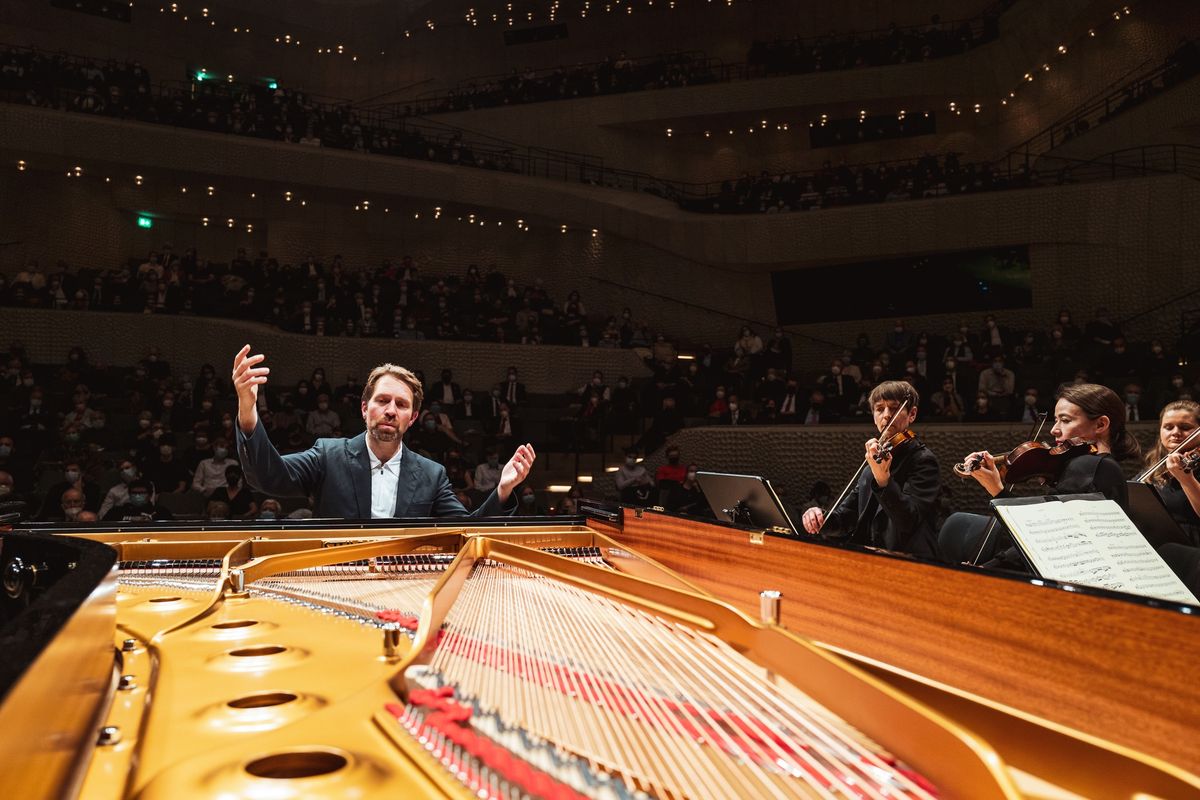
(896, 45)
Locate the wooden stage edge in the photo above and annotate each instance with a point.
(1116, 669)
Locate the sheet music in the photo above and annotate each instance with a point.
(1092, 542)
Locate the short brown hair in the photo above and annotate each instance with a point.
(897, 391)
(1100, 401)
(399, 373)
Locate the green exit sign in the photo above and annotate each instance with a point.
(145, 222)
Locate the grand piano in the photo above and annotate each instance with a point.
(619, 653)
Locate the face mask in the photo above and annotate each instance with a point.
(220, 452)
(629, 462)
(206, 405)
(71, 438)
(1156, 350)
(168, 403)
(139, 499)
(1064, 319)
(303, 390)
(621, 384)
(72, 475)
(836, 370)
(876, 370)
(6, 450)
(720, 394)
(27, 382)
(323, 406)
(166, 450)
(1057, 334)
(226, 423)
(733, 406)
(1031, 399)
(201, 441)
(156, 433)
(495, 392)
(267, 515)
(71, 513)
(1176, 382)
(595, 381)
(128, 474)
(35, 402)
(527, 499)
(1132, 397)
(991, 324)
(5, 490)
(981, 405)
(512, 376)
(691, 476)
(430, 424)
(898, 329)
(467, 398)
(911, 370)
(998, 366)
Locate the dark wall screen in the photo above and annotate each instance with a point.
(974, 280)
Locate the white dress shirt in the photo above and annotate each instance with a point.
(385, 481)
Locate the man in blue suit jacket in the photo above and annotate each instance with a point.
(371, 476)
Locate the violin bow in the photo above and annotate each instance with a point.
(1145, 477)
(857, 472)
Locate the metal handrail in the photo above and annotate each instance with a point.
(715, 69)
(1093, 112)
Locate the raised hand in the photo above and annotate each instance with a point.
(247, 377)
(515, 471)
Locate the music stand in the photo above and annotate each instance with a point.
(747, 500)
(1150, 515)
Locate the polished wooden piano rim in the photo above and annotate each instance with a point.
(1109, 664)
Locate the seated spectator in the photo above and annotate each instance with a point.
(527, 503)
(269, 510)
(687, 497)
(982, 411)
(1032, 407)
(999, 385)
(322, 421)
(69, 504)
(141, 506)
(210, 473)
(73, 478)
(239, 502)
(512, 391)
(216, 510)
(118, 494)
(166, 473)
(670, 475)
(634, 484)
(789, 404)
(487, 473)
(1136, 407)
(816, 413)
(947, 404)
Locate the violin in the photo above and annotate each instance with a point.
(1031, 461)
(891, 443)
(1191, 459)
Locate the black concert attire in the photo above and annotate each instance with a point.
(1087, 473)
(899, 516)
(1180, 507)
(1184, 559)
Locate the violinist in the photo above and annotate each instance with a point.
(891, 504)
(1176, 475)
(1086, 412)
(1090, 412)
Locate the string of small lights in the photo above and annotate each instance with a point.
(760, 126)
(291, 198)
